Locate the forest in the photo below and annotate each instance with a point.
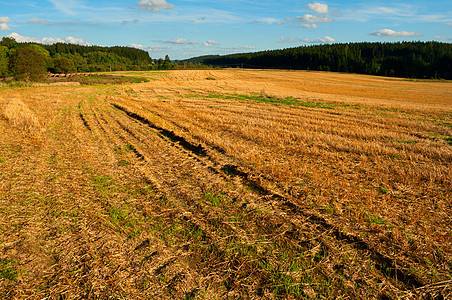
(32, 60)
(402, 59)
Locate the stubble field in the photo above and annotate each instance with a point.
(227, 184)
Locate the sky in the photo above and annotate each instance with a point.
(185, 29)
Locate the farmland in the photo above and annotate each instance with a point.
(214, 184)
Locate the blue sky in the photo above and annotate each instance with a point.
(184, 29)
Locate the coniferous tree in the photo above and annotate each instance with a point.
(405, 59)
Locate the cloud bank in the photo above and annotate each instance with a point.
(47, 40)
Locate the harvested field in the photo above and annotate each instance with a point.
(225, 184)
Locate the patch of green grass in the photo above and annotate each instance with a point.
(103, 184)
(215, 199)
(394, 156)
(377, 220)
(284, 286)
(129, 147)
(108, 79)
(402, 141)
(448, 139)
(7, 269)
(406, 141)
(265, 99)
(123, 163)
(382, 190)
(439, 122)
(121, 218)
(117, 215)
(350, 106)
(328, 210)
(103, 181)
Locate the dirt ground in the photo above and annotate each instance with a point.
(227, 184)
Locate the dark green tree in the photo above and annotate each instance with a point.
(9, 42)
(167, 64)
(26, 63)
(63, 65)
(3, 61)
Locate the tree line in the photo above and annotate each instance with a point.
(33, 60)
(402, 59)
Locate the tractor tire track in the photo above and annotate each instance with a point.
(191, 211)
(386, 265)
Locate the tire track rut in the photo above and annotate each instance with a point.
(386, 265)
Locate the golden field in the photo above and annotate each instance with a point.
(227, 184)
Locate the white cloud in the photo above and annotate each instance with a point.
(243, 48)
(5, 20)
(324, 40)
(305, 26)
(4, 27)
(370, 12)
(318, 8)
(401, 12)
(392, 33)
(73, 40)
(150, 48)
(294, 40)
(181, 41)
(47, 40)
(47, 23)
(154, 5)
(134, 21)
(438, 37)
(211, 43)
(37, 21)
(268, 21)
(138, 46)
(4, 23)
(307, 18)
(199, 20)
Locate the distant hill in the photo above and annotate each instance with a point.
(403, 59)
